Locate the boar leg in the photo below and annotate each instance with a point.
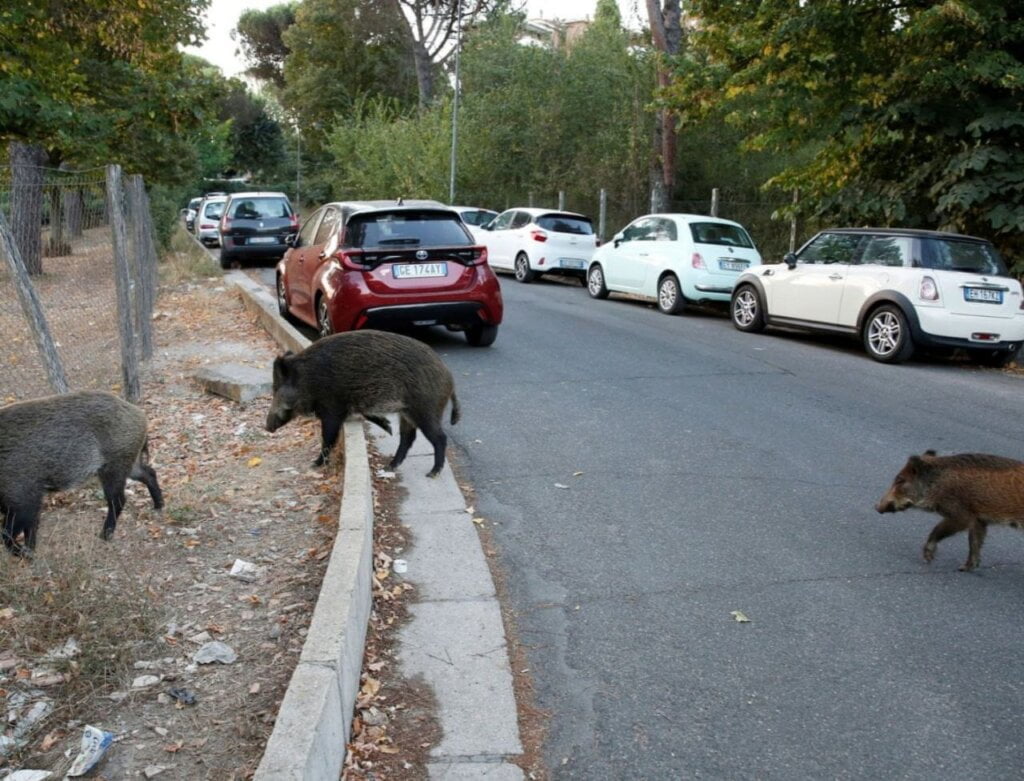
(113, 491)
(976, 538)
(943, 529)
(330, 427)
(146, 475)
(22, 517)
(432, 431)
(407, 435)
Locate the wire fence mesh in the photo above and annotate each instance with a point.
(61, 225)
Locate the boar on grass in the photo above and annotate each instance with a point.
(969, 490)
(57, 442)
(371, 373)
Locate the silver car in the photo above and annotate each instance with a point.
(208, 219)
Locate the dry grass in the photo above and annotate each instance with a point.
(187, 261)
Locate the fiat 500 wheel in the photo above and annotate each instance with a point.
(670, 297)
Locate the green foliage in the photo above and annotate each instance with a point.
(898, 114)
(261, 36)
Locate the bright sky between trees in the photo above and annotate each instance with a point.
(222, 17)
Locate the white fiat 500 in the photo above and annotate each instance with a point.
(673, 259)
(530, 242)
(894, 289)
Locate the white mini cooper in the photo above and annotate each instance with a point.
(895, 289)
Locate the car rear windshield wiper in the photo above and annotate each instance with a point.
(399, 241)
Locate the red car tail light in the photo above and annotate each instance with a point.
(697, 261)
(351, 259)
(538, 235)
(479, 256)
(295, 220)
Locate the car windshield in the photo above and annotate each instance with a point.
(978, 257)
(720, 233)
(478, 217)
(565, 223)
(259, 209)
(406, 229)
(214, 210)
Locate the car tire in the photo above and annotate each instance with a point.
(670, 296)
(595, 282)
(323, 316)
(887, 337)
(522, 269)
(481, 335)
(225, 260)
(996, 359)
(746, 309)
(282, 297)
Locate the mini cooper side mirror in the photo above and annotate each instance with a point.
(790, 260)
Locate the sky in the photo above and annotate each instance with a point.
(222, 16)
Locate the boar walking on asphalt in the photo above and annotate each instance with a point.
(371, 373)
(969, 490)
(57, 442)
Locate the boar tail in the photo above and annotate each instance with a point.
(456, 412)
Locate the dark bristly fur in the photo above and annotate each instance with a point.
(57, 442)
(371, 373)
(969, 490)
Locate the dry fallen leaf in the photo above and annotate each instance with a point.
(740, 617)
(255, 461)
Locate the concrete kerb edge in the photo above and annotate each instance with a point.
(313, 723)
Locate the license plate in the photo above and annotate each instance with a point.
(263, 240)
(417, 270)
(983, 295)
(571, 263)
(732, 265)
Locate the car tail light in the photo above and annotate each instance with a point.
(697, 261)
(929, 290)
(538, 235)
(479, 256)
(351, 259)
(225, 223)
(294, 220)
(208, 225)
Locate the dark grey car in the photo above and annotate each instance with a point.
(256, 226)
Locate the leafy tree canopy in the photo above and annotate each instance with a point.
(261, 35)
(906, 113)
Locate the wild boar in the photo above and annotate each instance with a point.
(57, 442)
(371, 373)
(969, 490)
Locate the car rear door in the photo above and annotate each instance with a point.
(496, 239)
(299, 271)
(813, 290)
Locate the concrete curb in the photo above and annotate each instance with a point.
(315, 718)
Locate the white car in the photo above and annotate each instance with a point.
(207, 222)
(895, 289)
(673, 259)
(531, 242)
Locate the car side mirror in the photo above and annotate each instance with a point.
(616, 240)
(292, 239)
(790, 260)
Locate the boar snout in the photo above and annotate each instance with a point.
(886, 505)
(274, 421)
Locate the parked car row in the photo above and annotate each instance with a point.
(246, 226)
(356, 264)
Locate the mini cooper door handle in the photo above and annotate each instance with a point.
(835, 276)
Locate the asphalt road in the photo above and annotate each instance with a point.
(724, 471)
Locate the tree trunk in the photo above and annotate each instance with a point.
(424, 72)
(27, 162)
(667, 35)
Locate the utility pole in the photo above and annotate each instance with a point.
(298, 168)
(455, 105)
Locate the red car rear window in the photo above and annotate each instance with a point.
(406, 229)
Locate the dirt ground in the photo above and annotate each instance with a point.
(139, 607)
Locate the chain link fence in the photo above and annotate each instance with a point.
(77, 282)
(768, 219)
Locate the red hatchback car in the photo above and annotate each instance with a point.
(378, 264)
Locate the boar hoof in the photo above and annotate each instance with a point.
(319, 461)
(928, 552)
(433, 473)
(106, 534)
(968, 566)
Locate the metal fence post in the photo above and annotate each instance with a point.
(561, 200)
(602, 214)
(714, 201)
(792, 222)
(122, 276)
(33, 309)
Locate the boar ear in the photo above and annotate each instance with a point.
(915, 463)
(281, 367)
(931, 453)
